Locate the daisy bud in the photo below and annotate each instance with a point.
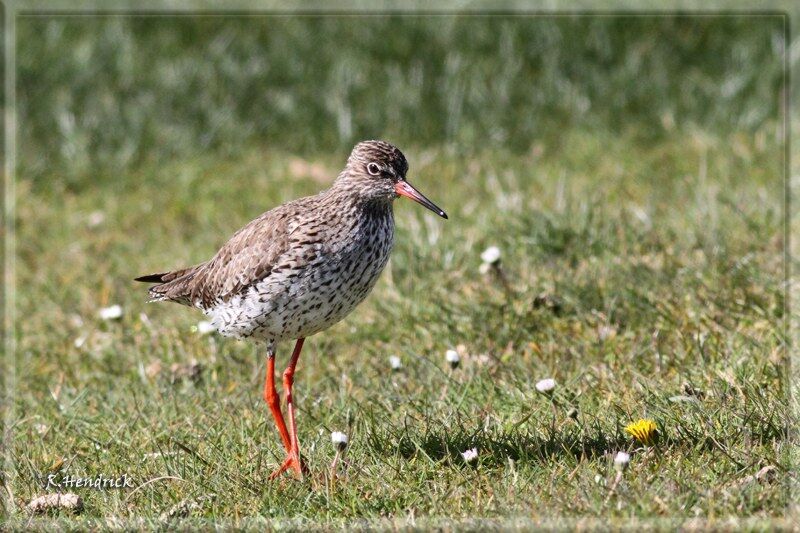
(452, 357)
(491, 255)
(546, 386)
(621, 461)
(113, 312)
(339, 440)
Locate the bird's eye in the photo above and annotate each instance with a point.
(374, 169)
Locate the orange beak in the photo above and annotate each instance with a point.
(404, 188)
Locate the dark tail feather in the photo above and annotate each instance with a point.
(166, 277)
(152, 278)
(170, 285)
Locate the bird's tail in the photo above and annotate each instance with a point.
(172, 285)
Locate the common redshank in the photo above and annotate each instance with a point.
(300, 268)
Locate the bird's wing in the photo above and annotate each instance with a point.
(263, 245)
(249, 256)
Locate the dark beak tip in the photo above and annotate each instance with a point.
(403, 188)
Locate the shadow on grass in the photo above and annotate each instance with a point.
(497, 448)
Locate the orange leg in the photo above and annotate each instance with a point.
(293, 460)
(273, 399)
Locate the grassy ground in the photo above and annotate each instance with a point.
(646, 279)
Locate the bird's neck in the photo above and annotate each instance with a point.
(359, 198)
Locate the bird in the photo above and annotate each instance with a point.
(300, 268)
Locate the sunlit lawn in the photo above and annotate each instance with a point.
(645, 278)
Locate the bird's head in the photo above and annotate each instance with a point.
(377, 169)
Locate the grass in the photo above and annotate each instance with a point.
(110, 91)
(646, 278)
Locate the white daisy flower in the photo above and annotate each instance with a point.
(491, 255)
(113, 312)
(452, 357)
(470, 455)
(546, 386)
(339, 440)
(621, 460)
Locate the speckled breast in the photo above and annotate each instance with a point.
(301, 301)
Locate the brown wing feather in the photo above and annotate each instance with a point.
(248, 257)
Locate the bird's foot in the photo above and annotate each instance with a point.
(295, 463)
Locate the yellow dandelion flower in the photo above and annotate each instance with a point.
(644, 430)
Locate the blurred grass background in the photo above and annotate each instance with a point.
(629, 168)
(99, 94)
